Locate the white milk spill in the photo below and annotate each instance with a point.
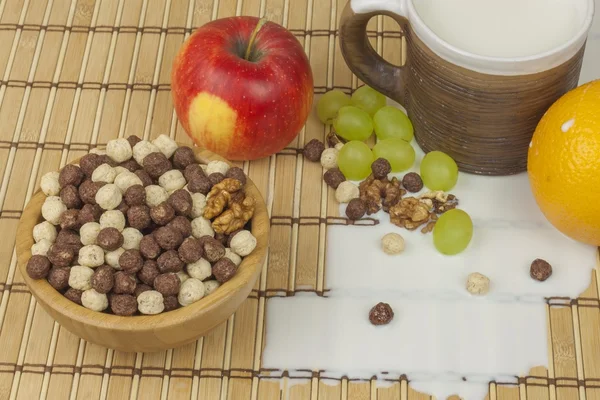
(440, 335)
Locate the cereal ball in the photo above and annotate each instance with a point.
(41, 248)
(104, 173)
(149, 248)
(144, 177)
(89, 163)
(103, 279)
(150, 302)
(216, 178)
(224, 270)
(133, 140)
(88, 191)
(213, 250)
(91, 256)
(182, 224)
(237, 260)
(171, 303)
(540, 270)
(183, 156)
(89, 232)
(168, 238)
(210, 286)
(139, 217)
(123, 208)
(38, 266)
(149, 272)
(230, 236)
(199, 184)
(200, 269)
(141, 288)
(52, 209)
(191, 291)
(94, 301)
(70, 196)
(70, 175)
(162, 214)
(127, 179)
(49, 183)
(130, 165)
(69, 219)
(167, 284)
(346, 191)
(329, 158)
(166, 145)
(70, 239)
(236, 173)
(333, 177)
(182, 276)
(135, 195)
(131, 238)
(109, 196)
(193, 171)
(155, 195)
(131, 261)
(356, 209)
(60, 255)
(221, 237)
(74, 295)
(381, 168)
(412, 182)
(112, 258)
(119, 150)
(89, 213)
(243, 243)
(109, 238)
(156, 164)
(44, 231)
(312, 150)
(202, 227)
(392, 243)
(217, 166)
(113, 219)
(172, 180)
(169, 261)
(181, 201)
(123, 304)
(190, 250)
(478, 284)
(80, 277)
(124, 283)
(58, 277)
(381, 314)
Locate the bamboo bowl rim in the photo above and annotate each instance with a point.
(45, 293)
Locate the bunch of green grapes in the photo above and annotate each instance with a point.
(439, 171)
(452, 232)
(355, 159)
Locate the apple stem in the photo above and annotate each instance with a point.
(259, 25)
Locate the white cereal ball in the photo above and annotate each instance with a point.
(155, 195)
(142, 149)
(97, 150)
(41, 248)
(94, 301)
(131, 238)
(119, 150)
(242, 243)
(49, 183)
(52, 209)
(112, 219)
(237, 260)
(217, 166)
(202, 227)
(172, 180)
(198, 204)
(182, 276)
(89, 232)
(112, 258)
(119, 170)
(200, 269)
(392, 243)
(127, 179)
(104, 173)
(329, 158)
(80, 277)
(190, 292)
(109, 197)
(44, 231)
(91, 256)
(346, 191)
(478, 284)
(166, 145)
(210, 286)
(151, 302)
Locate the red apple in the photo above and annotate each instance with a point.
(241, 88)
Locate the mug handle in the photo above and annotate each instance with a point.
(363, 60)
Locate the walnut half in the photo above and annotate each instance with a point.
(236, 216)
(409, 213)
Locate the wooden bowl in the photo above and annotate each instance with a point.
(153, 332)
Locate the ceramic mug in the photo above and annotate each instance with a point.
(480, 110)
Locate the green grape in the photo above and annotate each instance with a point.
(439, 171)
(398, 152)
(452, 232)
(368, 99)
(330, 103)
(352, 123)
(354, 160)
(390, 122)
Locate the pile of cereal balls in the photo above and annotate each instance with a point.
(141, 228)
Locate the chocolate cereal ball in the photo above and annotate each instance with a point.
(144, 177)
(412, 182)
(156, 164)
(199, 184)
(70, 238)
(135, 195)
(168, 284)
(312, 150)
(540, 270)
(133, 140)
(162, 214)
(138, 217)
(213, 250)
(171, 303)
(60, 255)
(181, 201)
(169, 261)
(193, 171)
(89, 163)
(131, 261)
(149, 247)
(215, 178)
(90, 213)
(70, 196)
(356, 209)
(236, 173)
(141, 288)
(190, 250)
(183, 157)
(70, 175)
(74, 295)
(123, 304)
(88, 190)
(182, 224)
(130, 165)
(381, 314)
(124, 283)
(38, 267)
(223, 270)
(381, 168)
(333, 177)
(69, 219)
(58, 277)
(168, 238)
(148, 272)
(109, 239)
(103, 279)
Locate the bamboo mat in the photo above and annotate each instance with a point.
(77, 73)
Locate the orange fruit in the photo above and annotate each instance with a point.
(564, 164)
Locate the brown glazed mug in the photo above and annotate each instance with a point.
(480, 110)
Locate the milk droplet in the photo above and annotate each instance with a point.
(531, 144)
(567, 125)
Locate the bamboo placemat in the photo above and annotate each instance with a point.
(77, 73)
